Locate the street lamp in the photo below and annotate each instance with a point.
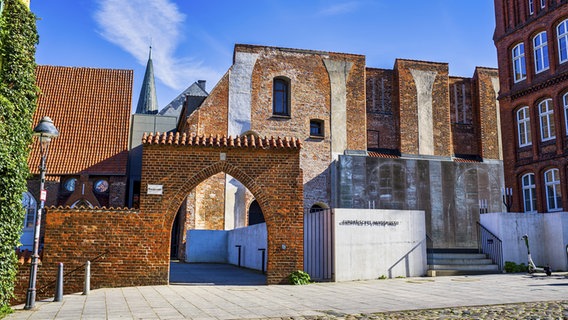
(45, 131)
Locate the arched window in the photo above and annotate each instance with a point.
(562, 36)
(546, 114)
(540, 46)
(255, 214)
(317, 208)
(281, 97)
(524, 127)
(519, 63)
(30, 204)
(553, 193)
(529, 192)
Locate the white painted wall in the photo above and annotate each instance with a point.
(250, 239)
(548, 236)
(367, 249)
(206, 246)
(424, 81)
(218, 246)
(338, 71)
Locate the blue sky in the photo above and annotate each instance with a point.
(194, 40)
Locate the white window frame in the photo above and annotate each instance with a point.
(565, 100)
(529, 192)
(30, 205)
(542, 4)
(553, 192)
(546, 116)
(540, 45)
(562, 37)
(524, 127)
(531, 7)
(519, 62)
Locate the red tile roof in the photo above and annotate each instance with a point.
(91, 109)
(375, 154)
(249, 141)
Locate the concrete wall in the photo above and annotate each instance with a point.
(218, 246)
(548, 236)
(448, 192)
(372, 243)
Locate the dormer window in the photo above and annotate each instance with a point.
(281, 97)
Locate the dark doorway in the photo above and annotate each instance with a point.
(177, 237)
(255, 214)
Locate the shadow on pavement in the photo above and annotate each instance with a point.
(214, 274)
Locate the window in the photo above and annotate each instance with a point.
(316, 128)
(565, 100)
(30, 205)
(546, 120)
(529, 192)
(531, 6)
(553, 194)
(281, 97)
(542, 4)
(69, 184)
(524, 127)
(562, 32)
(519, 64)
(540, 52)
(101, 186)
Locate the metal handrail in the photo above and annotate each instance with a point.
(490, 244)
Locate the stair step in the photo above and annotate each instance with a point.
(480, 267)
(446, 273)
(434, 256)
(461, 261)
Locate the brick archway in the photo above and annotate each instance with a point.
(268, 167)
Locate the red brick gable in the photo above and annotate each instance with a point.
(91, 109)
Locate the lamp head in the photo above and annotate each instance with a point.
(45, 131)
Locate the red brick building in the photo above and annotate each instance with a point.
(86, 164)
(338, 107)
(531, 37)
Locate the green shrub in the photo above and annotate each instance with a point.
(299, 277)
(382, 277)
(511, 267)
(18, 93)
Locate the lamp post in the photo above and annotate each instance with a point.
(45, 131)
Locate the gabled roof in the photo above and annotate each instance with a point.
(195, 90)
(91, 109)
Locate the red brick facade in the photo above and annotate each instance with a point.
(134, 245)
(534, 153)
(464, 111)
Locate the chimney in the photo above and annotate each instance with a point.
(201, 84)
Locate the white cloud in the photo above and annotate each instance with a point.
(135, 24)
(339, 8)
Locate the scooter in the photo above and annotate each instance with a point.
(532, 267)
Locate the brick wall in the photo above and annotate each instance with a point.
(272, 175)
(382, 121)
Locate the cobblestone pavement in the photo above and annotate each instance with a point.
(546, 310)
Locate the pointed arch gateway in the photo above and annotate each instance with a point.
(268, 167)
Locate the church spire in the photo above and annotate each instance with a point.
(148, 101)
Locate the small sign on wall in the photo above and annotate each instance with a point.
(155, 189)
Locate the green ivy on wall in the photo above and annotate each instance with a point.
(18, 96)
